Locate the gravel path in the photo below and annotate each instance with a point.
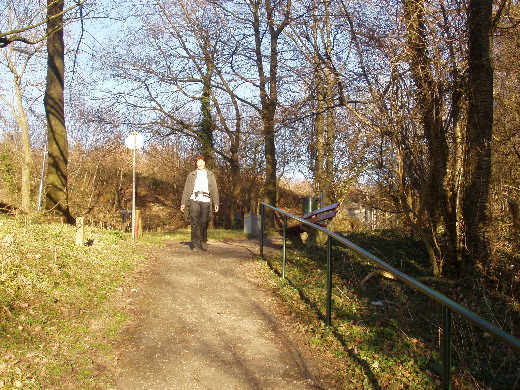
(206, 321)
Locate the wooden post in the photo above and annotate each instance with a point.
(138, 230)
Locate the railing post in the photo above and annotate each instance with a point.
(284, 251)
(329, 281)
(446, 348)
(261, 230)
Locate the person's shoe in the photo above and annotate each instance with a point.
(203, 246)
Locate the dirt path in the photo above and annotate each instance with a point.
(207, 322)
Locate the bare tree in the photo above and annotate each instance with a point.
(23, 37)
(477, 164)
(56, 198)
(313, 36)
(506, 138)
(255, 60)
(181, 84)
(276, 16)
(19, 34)
(414, 95)
(457, 189)
(17, 59)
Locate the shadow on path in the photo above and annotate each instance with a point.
(206, 322)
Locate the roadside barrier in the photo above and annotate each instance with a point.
(448, 306)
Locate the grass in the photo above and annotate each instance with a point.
(372, 351)
(57, 317)
(60, 304)
(387, 335)
(61, 311)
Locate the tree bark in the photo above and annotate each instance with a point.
(56, 199)
(23, 122)
(268, 86)
(206, 124)
(479, 132)
(436, 185)
(324, 126)
(320, 124)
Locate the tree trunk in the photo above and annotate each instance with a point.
(479, 133)
(330, 140)
(270, 166)
(324, 132)
(56, 193)
(268, 88)
(27, 164)
(236, 190)
(324, 82)
(438, 191)
(319, 130)
(206, 123)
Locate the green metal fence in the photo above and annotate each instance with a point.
(448, 306)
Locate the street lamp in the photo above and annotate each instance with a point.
(134, 141)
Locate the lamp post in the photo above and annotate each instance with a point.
(134, 141)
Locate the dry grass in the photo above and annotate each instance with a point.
(388, 335)
(58, 316)
(62, 306)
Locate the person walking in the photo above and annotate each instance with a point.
(200, 194)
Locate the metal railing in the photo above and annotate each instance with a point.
(448, 306)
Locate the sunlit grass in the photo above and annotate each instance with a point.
(59, 313)
(57, 320)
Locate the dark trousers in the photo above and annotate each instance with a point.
(199, 219)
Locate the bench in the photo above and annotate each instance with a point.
(320, 217)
